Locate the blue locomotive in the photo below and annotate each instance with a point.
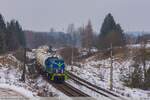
(53, 67)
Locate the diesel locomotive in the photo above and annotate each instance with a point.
(51, 65)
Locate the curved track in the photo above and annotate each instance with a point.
(67, 89)
(95, 88)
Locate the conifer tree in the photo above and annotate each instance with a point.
(20, 34)
(108, 25)
(2, 34)
(136, 77)
(147, 79)
(111, 33)
(15, 35)
(11, 38)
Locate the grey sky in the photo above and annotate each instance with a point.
(41, 15)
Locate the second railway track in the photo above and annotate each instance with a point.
(95, 88)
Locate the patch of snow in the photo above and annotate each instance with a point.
(30, 55)
(137, 46)
(88, 91)
(21, 90)
(98, 73)
(10, 78)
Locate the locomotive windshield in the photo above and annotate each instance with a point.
(55, 65)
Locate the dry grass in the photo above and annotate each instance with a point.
(10, 61)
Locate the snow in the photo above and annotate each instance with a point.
(10, 78)
(137, 46)
(88, 91)
(21, 90)
(94, 71)
(30, 55)
(94, 50)
(41, 84)
(98, 72)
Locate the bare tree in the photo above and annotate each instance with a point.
(143, 56)
(71, 29)
(87, 36)
(66, 53)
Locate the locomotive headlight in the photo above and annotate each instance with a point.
(56, 70)
(62, 71)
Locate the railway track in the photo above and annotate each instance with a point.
(95, 88)
(70, 90)
(67, 89)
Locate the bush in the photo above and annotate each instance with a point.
(19, 54)
(66, 53)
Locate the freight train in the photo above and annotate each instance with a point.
(51, 65)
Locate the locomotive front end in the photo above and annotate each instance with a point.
(51, 65)
(56, 69)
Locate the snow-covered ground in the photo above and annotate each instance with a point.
(138, 46)
(24, 92)
(98, 73)
(88, 91)
(10, 76)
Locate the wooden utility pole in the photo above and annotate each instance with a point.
(71, 31)
(111, 68)
(143, 56)
(24, 66)
(72, 54)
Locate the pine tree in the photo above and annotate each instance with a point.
(122, 38)
(147, 79)
(108, 25)
(111, 33)
(15, 35)
(2, 34)
(136, 77)
(2, 24)
(12, 40)
(20, 34)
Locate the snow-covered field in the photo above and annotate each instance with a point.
(98, 73)
(10, 79)
(94, 71)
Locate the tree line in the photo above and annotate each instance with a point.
(110, 33)
(54, 39)
(11, 35)
(84, 36)
(139, 72)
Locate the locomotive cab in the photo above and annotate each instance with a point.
(55, 68)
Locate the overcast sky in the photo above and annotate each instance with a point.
(41, 15)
